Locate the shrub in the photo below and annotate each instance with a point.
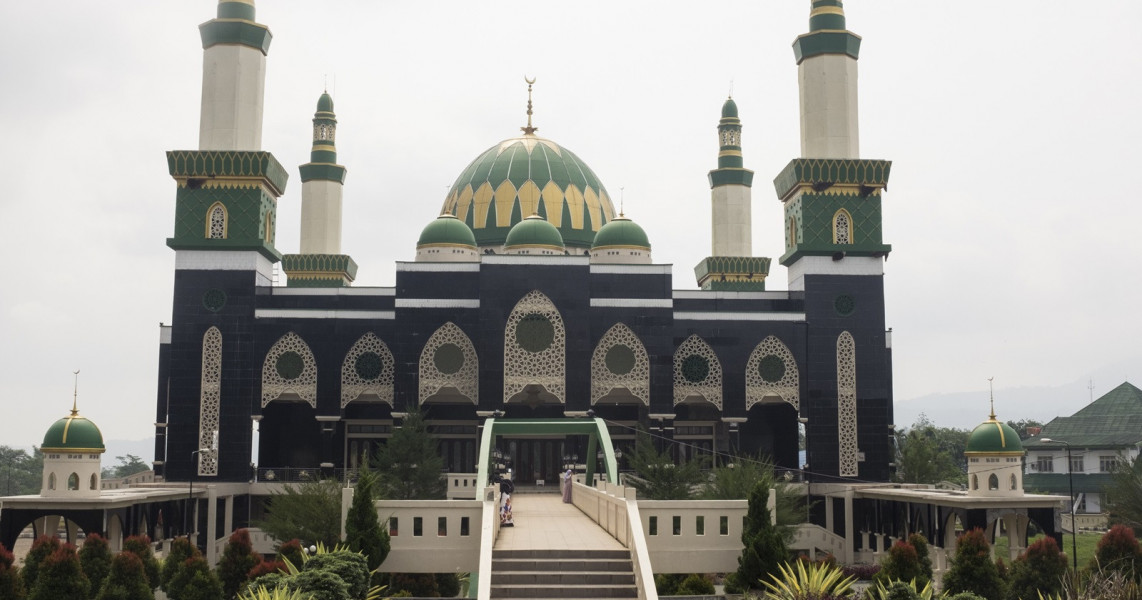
(972, 569)
(807, 581)
(901, 564)
(195, 581)
(126, 579)
(320, 585)
(180, 550)
(95, 559)
(140, 545)
(1118, 550)
(42, 548)
(265, 568)
(291, 551)
(696, 585)
(667, 583)
(448, 584)
(419, 585)
(60, 577)
(965, 596)
(237, 560)
(1038, 571)
(861, 572)
(363, 531)
(899, 590)
(351, 567)
(11, 584)
(920, 543)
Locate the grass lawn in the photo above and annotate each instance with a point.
(1086, 544)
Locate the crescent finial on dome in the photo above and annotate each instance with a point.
(529, 130)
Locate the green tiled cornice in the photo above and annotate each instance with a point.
(319, 270)
(248, 204)
(731, 176)
(824, 172)
(235, 31)
(732, 273)
(826, 42)
(322, 171)
(185, 165)
(813, 214)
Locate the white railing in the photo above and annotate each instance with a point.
(432, 536)
(614, 509)
(262, 542)
(489, 531)
(809, 539)
(693, 536)
(462, 486)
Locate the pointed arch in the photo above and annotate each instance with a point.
(846, 405)
(620, 360)
(73, 482)
(51, 481)
(1014, 484)
(289, 368)
(992, 482)
(217, 222)
(697, 372)
(94, 485)
(535, 347)
(269, 227)
(772, 371)
(792, 232)
(449, 360)
(975, 482)
(367, 369)
(209, 400)
(842, 227)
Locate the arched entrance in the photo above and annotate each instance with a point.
(594, 429)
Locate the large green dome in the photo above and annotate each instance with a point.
(529, 175)
(73, 433)
(993, 436)
(621, 233)
(534, 232)
(446, 230)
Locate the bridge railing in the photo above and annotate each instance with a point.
(613, 507)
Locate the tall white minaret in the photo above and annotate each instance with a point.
(730, 189)
(827, 79)
(322, 180)
(233, 78)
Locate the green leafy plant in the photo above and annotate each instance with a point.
(126, 579)
(734, 481)
(11, 584)
(238, 559)
(972, 569)
(140, 545)
(180, 550)
(807, 581)
(310, 511)
(410, 464)
(42, 548)
(320, 585)
(350, 566)
(895, 591)
(1118, 550)
(95, 559)
(659, 478)
(1040, 570)
(363, 531)
(60, 577)
(195, 581)
(696, 585)
(763, 548)
(902, 563)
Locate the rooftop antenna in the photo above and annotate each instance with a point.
(325, 86)
(991, 392)
(529, 130)
(731, 87)
(75, 395)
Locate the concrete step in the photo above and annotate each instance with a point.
(563, 592)
(623, 554)
(557, 565)
(562, 578)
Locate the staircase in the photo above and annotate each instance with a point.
(562, 574)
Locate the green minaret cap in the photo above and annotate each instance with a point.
(323, 157)
(235, 25)
(730, 166)
(827, 33)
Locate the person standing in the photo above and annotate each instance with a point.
(567, 486)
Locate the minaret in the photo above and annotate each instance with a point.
(827, 80)
(731, 265)
(233, 78)
(321, 263)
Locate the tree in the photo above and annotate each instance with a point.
(350, 567)
(1038, 572)
(902, 564)
(60, 577)
(42, 548)
(140, 545)
(363, 531)
(95, 559)
(1125, 494)
(180, 550)
(658, 477)
(11, 585)
(128, 465)
(195, 581)
(127, 580)
(1118, 551)
(764, 548)
(735, 480)
(310, 512)
(1022, 425)
(238, 559)
(926, 454)
(972, 569)
(23, 473)
(920, 543)
(410, 464)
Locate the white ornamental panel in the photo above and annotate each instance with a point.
(367, 369)
(289, 368)
(449, 360)
(208, 402)
(535, 347)
(697, 372)
(620, 361)
(846, 405)
(771, 371)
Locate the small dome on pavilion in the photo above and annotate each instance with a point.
(446, 230)
(73, 433)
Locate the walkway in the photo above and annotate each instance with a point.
(543, 521)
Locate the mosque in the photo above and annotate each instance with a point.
(529, 296)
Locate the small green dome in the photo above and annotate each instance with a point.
(730, 109)
(73, 433)
(534, 232)
(622, 233)
(993, 436)
(446, 230)
(325, 103)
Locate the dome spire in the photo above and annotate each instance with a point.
(529, 130)
(75, 395)
(991, 394)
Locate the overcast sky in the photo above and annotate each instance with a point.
(1013, 208)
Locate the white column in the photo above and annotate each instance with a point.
(233, 87)
(828, 86)
(731, 220)
(321, 217)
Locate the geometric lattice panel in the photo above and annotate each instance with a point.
(697, 372)
(771, 371)
(535, 347)
(289, 368)
(847, 405)
(449, 360)
(367, 369)
(620, 361)
(208, 402)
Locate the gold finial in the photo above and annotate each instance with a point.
(529, 130)
(75, 395)
(622, 200)
(991, 392)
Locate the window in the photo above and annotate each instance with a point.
(700, 525)
(1014, 485)
(975, 482)
(73, 481)
(676, 522)
(842, 227)
(1107, 464)
(723, 525)
(417, 526)
(792, 232)
(1044, 464)
(93, 483)
(653, 526)
(216, 222)
(52, 481)
(1076, 464)
(393, 529)
(993, 482)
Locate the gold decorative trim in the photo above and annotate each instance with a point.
(729, 153)
(821, 10)
(597, 248)
(324, 148)
(535, 246)
(74, 450)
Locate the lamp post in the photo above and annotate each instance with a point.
(1071, 485)
(190, 491)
